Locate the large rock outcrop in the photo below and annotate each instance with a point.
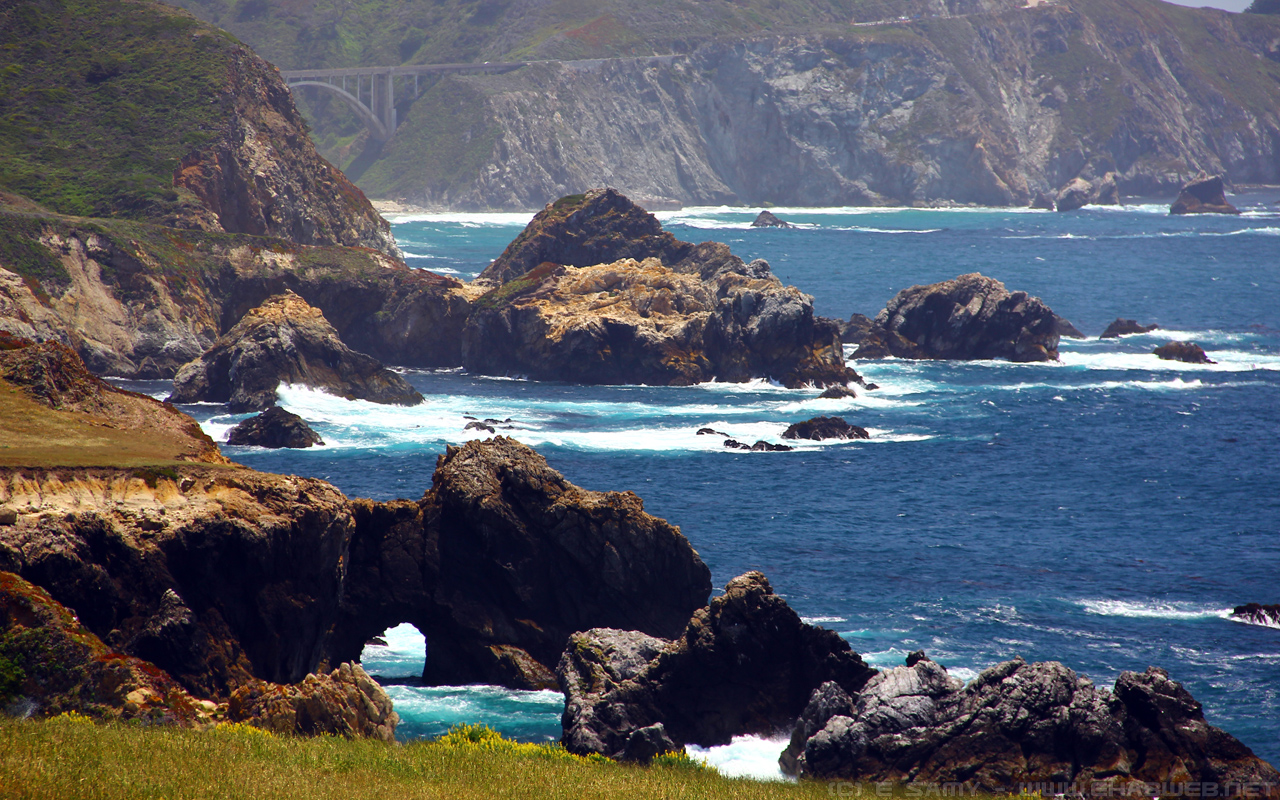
(1205, 194)
(745, 664)
(285, 340)
(594, 291)
(221, 576)
(503, 559)
(274, 428)
(1188, 352)
(87, 420)
(969, 317)
(140, 301)
(1017, 724)
(1268, 616)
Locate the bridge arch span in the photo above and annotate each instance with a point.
(370, 120)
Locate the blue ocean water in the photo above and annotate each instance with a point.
(1106, 511)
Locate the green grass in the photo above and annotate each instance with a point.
(100, 99)
(70, 757)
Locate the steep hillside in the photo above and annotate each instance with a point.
(791, 103)
(122, 108)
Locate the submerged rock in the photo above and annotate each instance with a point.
(594, 291)
(1125, 327)
(820, 428)
(969, 317)
(838, 393)
(767, 219)
(344, 702)
(1190, 352)
(274, 428)
(1015, 724)
(1256, 614)
(285, 340)
(745, 664)
(1204, 194)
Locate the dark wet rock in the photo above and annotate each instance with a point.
(767, 219)
(870, 387)
(594, 291)
(1043, 201)
(275, 428)
(1257, 614)
(285, 340)
(969, 317)
(710, 432)
(1065, 329)
(1077, 194)
(769, 447)
(734, 444)
(820, 428)
(855, 328)
(1016, 723)
(745, 664)
(1125, 327)
(344, 702)
(1205, 194)
(377, 641)
(1190, 352)
(479, 426)
(503, 559)
(837, 393)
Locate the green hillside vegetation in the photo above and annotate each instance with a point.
(100, 99)
(72, 757)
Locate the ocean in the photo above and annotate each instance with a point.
(1106, 511)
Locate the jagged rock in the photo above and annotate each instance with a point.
(50, 664)
(479, 426)
(1078, 193)
(345, 702)
(1125, 327)
(1257, 614)
(1043, 201)
(1106, 192)
(734, 444)
(767, 219)
(857, 327)
(1204, 194)
(594, 291)
(837, 393)
(710, 432)
(285, 340)
(274, 428)
(769, 447)
(1065, 329)
(969, 317)
(745, 664)
(1189, 352)
(1015, 724)
(53, 375)
(503, 559)
(820, 428)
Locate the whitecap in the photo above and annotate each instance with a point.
(822, 620)
(1152, 609)
(746, 757)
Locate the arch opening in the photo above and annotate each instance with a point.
(365, 114)
(399, 654)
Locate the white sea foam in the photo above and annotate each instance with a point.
(1226, 361)
(746, 757)
(822, 620)
(1152, 609)
(402, 656)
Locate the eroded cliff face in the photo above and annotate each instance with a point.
(985, 108)
(138, 300)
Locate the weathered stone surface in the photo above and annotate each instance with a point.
(1204, 194)
(820, 428)
(969, 317)
(1125, 327)
(745, 664)
(855, 328)
(594, 291)
(50, 664)
(1189, 352)
(344, 702)
(1077, 193)
(54, 376)
(274, 428)
(503, 559)
(838, 393)
(767, 219)
(1257, 614)
(285, 340)
(1016, 723)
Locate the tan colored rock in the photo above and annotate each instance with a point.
(344, 702)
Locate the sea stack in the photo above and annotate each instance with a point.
(767, 219)
(1204, 194)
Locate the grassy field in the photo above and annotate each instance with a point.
(69, 757)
